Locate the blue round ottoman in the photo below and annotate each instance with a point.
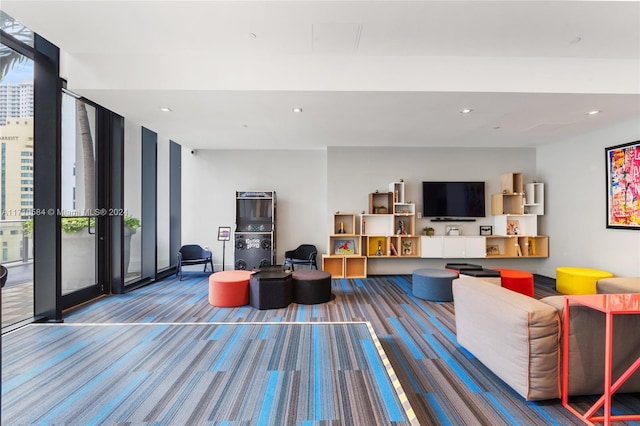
(433, 284)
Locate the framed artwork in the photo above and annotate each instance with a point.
(224, 233)
(344, 246)
(486, 230)
(623, 186)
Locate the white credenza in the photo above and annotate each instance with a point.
(453, 247)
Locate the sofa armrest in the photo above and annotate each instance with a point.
(617, 285)
(515, 336)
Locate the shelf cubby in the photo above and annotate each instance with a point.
(383, 200)
(345, 222)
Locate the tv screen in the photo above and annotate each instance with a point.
(453, 199)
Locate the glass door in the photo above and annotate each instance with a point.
(79, 218)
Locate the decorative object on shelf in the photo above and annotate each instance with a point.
(379, 209)
(429, 231)
(379, 251)
(623, 186)
(486, 230)
(513, 226)
(393, 250)
(493, 250)
(341, 229)
(453, 230)
(402, 230)
(407, 247)
(345, 247)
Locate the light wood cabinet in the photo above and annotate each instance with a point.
(345, 266)
(516, 210)
(507, 204)
(344, 259)
(511, 183)
(517, 246)
(344, 224)
(380, 202)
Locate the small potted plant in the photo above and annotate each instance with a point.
(429, 231)
(379, 209)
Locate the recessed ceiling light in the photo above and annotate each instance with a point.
(296, 109)
(165, 109)
(466, 111)
(594, 112)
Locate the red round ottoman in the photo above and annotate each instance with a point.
(229, 288)
(518, 281)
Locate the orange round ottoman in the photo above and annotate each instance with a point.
(518, 281)
(229, 288)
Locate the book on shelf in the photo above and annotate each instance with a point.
(518, 249)
(394, 252)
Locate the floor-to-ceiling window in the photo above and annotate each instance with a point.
(16, 170)
(93, 185)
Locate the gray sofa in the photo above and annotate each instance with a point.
(520, 340)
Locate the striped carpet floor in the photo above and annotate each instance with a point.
(444, 384)
(192, 374)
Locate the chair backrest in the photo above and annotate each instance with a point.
(304, 251)
(3, 275)
(191, 252)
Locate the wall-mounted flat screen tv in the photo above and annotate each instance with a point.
(453, 199)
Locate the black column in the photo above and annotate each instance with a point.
(149, 203)
(175, 201)
(47, 88)
(116, 200)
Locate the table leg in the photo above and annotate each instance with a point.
(565, 354)
(608, 362)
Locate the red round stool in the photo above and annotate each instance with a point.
(229, 288)
(518, 281)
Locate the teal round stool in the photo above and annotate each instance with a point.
(433, 284)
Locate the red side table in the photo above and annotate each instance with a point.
(610, 304)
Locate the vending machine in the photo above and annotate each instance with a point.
(255, 235)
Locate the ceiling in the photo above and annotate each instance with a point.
(365, 73)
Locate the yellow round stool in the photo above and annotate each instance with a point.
(572, 280)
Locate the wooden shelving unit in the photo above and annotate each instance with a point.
(516, 210)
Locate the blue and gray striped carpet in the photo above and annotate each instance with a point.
(163, 355)
(191, 374)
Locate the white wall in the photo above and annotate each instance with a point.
(211, 178)
(312, 185)
(575, 219)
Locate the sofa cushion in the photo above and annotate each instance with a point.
(515, 336)
(586, 347)
(616, 285)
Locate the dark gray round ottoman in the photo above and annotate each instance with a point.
(433, 284)
(311, 286)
